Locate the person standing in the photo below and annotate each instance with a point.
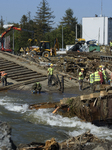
(4, 78)
(97, 77)
(101, 74)
(92, 78)
(110, 46)
(81, 77)
(105, 75)
(50, 74)
(100, 68)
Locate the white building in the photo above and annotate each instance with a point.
(97, 28)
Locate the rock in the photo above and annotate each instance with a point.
(5, 137)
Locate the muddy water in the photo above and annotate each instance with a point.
(41, 125)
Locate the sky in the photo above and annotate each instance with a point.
(13, 10)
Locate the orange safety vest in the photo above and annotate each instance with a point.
(3, 73)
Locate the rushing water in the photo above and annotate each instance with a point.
(41, 125)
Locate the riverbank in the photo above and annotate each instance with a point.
(41, 125)
(84, 141)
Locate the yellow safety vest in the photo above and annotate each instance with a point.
(82, 76)
(38, 83)
(50, 70)
(105, 77)
(110, 43)
(97, 76)
(92, 78)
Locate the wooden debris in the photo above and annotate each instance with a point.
(56, 110)
(95, 102)
(94, 95)
(103, 93)
(84, 97)
(110, 92)
(43, 105)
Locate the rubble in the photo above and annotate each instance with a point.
(94, 107)
(84, 141)
(72, 62)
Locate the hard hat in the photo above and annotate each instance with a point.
(82, 69)
(51, 64)
(100, 66)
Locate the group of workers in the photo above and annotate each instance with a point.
(98, 76)
(3, 75)
(37, 86)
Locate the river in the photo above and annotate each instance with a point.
(40, 125)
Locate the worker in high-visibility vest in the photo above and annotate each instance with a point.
(106, 76)
(100, 68)
(81, 77)
(50, 74)
(4, 78)
(110, 46)
(36, 87)
(101, 74)
(97, 77)
(91, 80)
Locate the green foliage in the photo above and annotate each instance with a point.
(43, 20)
(43, 30)
(69, 102)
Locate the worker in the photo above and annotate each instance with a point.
(36, 87)
(81, 77)
(50, 74)
(101, 74)
(110, 78)
(110, 46)
(97, 77)
(105, 76)
(100, 68)
(92, 78)
(4, 78)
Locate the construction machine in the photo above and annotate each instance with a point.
(45, 50)
(4, 33)
(78, 45)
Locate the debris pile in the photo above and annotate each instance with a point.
(84, 141)
(72, 62)
(94, 107)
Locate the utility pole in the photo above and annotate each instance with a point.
(101, 7)
(76, 31)
(62, 36)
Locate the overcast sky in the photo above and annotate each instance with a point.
(13, 10)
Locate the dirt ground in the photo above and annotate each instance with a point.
(69, 84)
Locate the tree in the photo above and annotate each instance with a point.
(69, 20)
(43, 19)
(23, 20)
(1, 25)
(69, 27)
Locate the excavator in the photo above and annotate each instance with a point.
(4, 33)
(45, 50)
